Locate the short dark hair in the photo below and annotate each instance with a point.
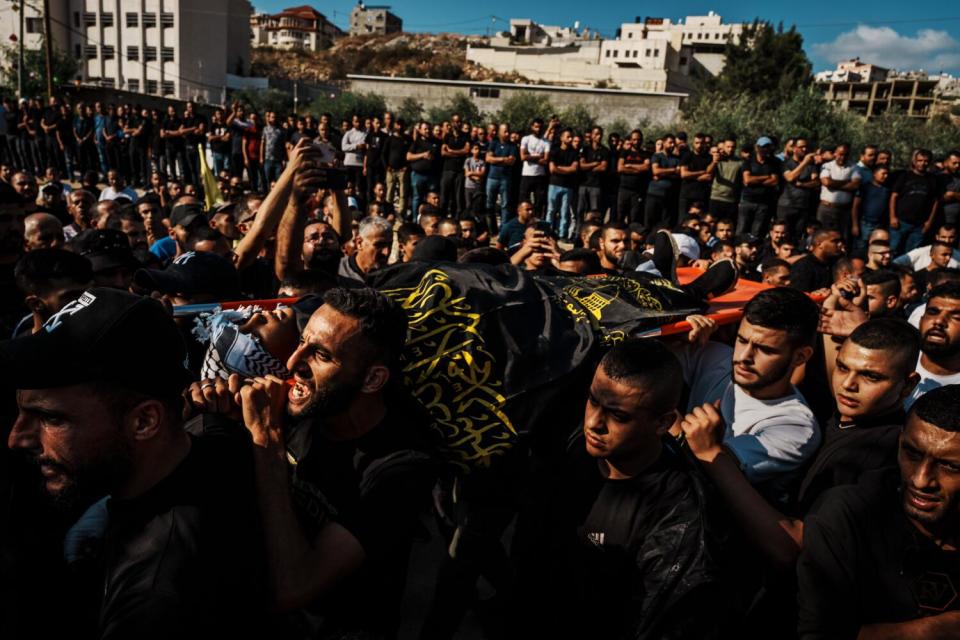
(309, 281)
(893, 335)
(949, 290)
(409, 230)
(785, 309)
(939, 407)
(617, 226)
(774, 263)
(942, 275)
(485, 255)
(888, 280)
(382, 322)
(583, 255)
(35, 271)
(650, 364)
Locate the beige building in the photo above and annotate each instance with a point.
(373, 20)
(650, 54)
(914, 97)
(854, 71)
(178, 48)
(608, 105)
(300, 27)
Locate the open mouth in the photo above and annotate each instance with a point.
(299, 393)
(921, 501)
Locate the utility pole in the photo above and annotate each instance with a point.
(20, 55)
(48, 46)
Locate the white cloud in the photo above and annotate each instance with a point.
(931, 50)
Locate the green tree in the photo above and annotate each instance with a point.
(578, 118)
(410, 110)
(261, 100)
(64, 67)
(521, 108)
(618, 125)
(765, 61)
(344, 105)
(459, 103)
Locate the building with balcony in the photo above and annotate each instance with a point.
(914, 97)
(177, 48)
(295, 28)
(649, 54)
(373, 20)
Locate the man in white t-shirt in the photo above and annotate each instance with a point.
(769, 428)
(534, 151)
(939, 362)
(919, 258)
(839, 180)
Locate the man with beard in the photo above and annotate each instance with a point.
(769, 429)
(613, 244)
(872, 377)
(880, 558)
(351, 441)
(374, 242)
(814, 270)
(321, 247)
(939, 363)
(746, 252)
(177, 553)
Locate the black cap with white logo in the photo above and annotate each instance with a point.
(193, 273)
(105, 335)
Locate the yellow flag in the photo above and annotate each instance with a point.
(211, 190)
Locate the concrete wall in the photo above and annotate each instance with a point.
(607, 106)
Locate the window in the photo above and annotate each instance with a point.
(149, 20)
(647, 54)
(683, 60)
(133, 20)
(77, 51)
(635, 52)
(166, 19)
(89, 19)
(34, 25)
(166, 54)
(656, 53)
(106, 19)
(485, 92)
(608, 53)
(615, 52)
(152, 86)
(108, 52)
(107, 82)
(90, 51)
(133, 53)
(133, 85)
(149, 54)
(76, 18)
(167, 87)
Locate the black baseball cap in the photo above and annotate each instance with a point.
(192, 273)
(105, 335)
(105, 248)
(745, 238)
(186, 214)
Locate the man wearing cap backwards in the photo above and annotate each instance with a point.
(840, 180)
(178, 552)
(109, 252)
(761, 174)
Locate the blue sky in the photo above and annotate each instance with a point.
(891, 34)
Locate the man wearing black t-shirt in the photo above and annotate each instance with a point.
(194, 134)
(363, 452)
(694, 175)
(761, 174)
(170, 546)
(880, 559)
(633, 166)
(814, 270)
(373, 167)
(634, 542)
(660, 207)
(801, 184)
(913, 204)
(593, 164)
(455, 149)
(173, 143)
(396, 165)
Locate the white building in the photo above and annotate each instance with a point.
(300, 27)
(176, 48)
(650, 54)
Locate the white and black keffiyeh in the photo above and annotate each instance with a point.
(231, 351)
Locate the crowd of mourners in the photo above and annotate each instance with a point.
(263, 469)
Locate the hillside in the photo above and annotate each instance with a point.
(417, 55)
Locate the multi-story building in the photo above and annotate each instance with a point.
(373, 19)
(649, 54)
(870, 90)
(177, 48)
(854, 71)
(294, 28)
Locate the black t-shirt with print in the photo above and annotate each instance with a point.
(634, 181)
(563, 158)
(594, 179)
(916, 194)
